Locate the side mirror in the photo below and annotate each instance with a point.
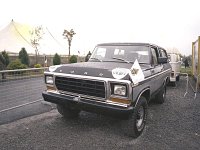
(162, 60)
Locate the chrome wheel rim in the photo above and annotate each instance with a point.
(140, 118)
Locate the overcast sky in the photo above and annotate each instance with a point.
(167, 23)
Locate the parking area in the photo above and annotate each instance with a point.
(172, 125)
(22, 98)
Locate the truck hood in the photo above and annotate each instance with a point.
(95, 69)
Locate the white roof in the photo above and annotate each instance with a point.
(172, 51)
(15, 36)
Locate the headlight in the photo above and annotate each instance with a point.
(118, 89)
(49, 79)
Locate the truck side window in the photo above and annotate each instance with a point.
(162, 53)
(154, 56)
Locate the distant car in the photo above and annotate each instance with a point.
(118, 80)
(175, 62)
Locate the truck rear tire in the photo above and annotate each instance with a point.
(173, 84)
(161, 96)
(178, 78)
(67, 111)
(135, 124)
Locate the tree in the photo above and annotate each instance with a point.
(4, 60)
(69, 35)
(6, 57)
(73, 59)
(187, 60)
(88, 56)
(36, 36)
(56, 59)
(23, 56)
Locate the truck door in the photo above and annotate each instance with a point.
(155, 70)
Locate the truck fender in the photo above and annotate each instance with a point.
(141, 93)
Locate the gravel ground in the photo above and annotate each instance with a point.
(172, 125)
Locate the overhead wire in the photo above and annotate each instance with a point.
(55, 38)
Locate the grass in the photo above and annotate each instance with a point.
(187, 70)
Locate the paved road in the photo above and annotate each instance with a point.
(19, 92)
(172, 125)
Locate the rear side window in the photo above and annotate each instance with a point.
(154, 56)
(162, 53)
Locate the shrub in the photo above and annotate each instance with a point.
(73, 59)
(16, 64)
(56, 59)
(23, 56)
(37, 66)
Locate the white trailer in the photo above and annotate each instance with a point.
(175, 62)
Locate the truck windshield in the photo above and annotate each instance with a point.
(127, 54)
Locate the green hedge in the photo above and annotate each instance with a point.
(16, 64)
(73, 59)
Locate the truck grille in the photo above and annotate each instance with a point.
(81, 86)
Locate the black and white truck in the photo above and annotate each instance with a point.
(118, 80)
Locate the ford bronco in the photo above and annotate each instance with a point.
(118, 80)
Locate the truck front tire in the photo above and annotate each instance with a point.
(67, 111)
(135, 125)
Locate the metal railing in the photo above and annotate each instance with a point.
(188, 82)
(6, 75)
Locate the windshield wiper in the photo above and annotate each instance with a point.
(96, 59)
(121, 59)
(143, 63)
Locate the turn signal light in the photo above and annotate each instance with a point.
(118, 100)
(51, 88)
